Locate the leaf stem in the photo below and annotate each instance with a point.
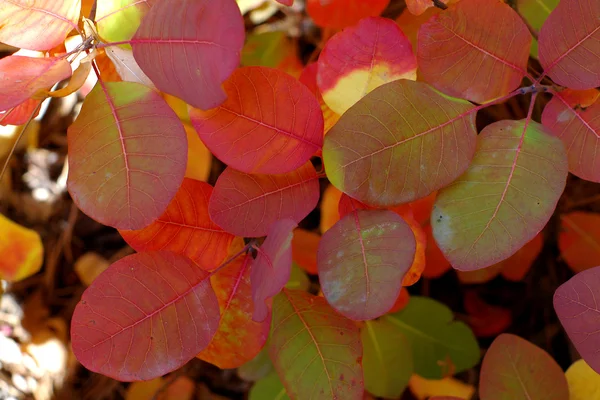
(234, 257)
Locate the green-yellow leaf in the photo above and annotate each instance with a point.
(268, 388)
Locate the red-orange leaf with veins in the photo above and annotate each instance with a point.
(20, 114)
(578, 126)
(247, 205)
(270, 123)
(127, 155)
(338, 14)
(460, 51)
(185, 228)
(362, 260)
(145, 316)
(21, 77)
(37, 24)
(569, 44)
(189, 47)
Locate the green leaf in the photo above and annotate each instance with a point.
(269, 388)
(117, 20)
(439, 344)
(316, 351)
(535, 13)
(387, 359)
(504, 199)
(298, 279)
(267, 49)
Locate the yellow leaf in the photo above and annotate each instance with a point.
(89, 266)
(424, 388)
(199, 157)
(144, 390)
(21, 249)
(584, 382)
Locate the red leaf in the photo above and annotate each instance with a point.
(22, 77)
(185, 228)
(247, 205)
(20, 114)
(127, 155)
(576, 305)
(271, 269)
(305, 245)
(579, 240)
(486, 320)
(362, 260)
(459, 52)
(569, 44)
(239, 338)
(339, 14)
(38, 24)
(145, 316)
(189, 47)
(309, 78)
(270, 123)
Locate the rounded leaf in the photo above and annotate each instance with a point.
(22, 251)
(270, 123)
(127, 152)
(117, 20)
(146, 315)
(339, 14)
(362, 260)
(584, 382)
(579, 240)
(399, 143)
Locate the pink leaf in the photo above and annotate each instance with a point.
(189, 47)
(270, 123)
(270, 270)
(247, 205)
(362, 260)
(145, 316)
(576, 305)
(569, 44)
(286, 2)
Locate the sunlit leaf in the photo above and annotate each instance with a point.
(578, 126)
(247, 205)
(309, 78)
(440, 389)
(147, 315)
(535, 13)
(20, 114)
(268, 388)
(21, 249)
(418, 7)
(387, 359)
(361, 58)
(504, 199)
(117, 20)
(261, 127)
(459, 52)
(569, 44)
(271, 269)
(126, 155)
(514, 369)
(189, 47)
(362, 260)
(340, 14)
(579, 240)
(21, 77)
(316, 352)
(439, 344)
(329, 208)
(577, 309)
(38, 24)
(399, 143)
(185, 228)
(304, 249)
(486, 320)
(126, 66)
(584, 382)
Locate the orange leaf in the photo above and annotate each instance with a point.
(486, 320)
(199, 161)
(329, 208)
(304, 249)
(339, 14)
(309, 78)
(579, 241)
(401, 301)
(21, 249)
(437, 265)
(515, 268)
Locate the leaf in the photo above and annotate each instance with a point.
(329, 208)
(89, 266)
(261, 128)
(418, 7)
(362, 260)
(117, 20)
(181, 388)
(579, 128)
(199, 158)
(579, 240)
(298, 278)
(123, 125)
(440, 345)
(459, 52)
(257, 368)
(569, 44)
(147, 315)
(577, 309)
(361, 58)
(268, 49)
(375, 153)
(21, 77)
(185, 228)
(584, 382)
(387, 359)
(268, 388)
(305, 245)
(515, 369)
(247, 205)
(446, 389)
(316, 352)
(535, 12)
(38, 25)
(479, 276)
(239, 338)
(516, 266)
(401, 301)
(436, 264)
(188, 48)
(309, 78)
(22, 251)
(486, 320)
(20, 114)
(272, 266)
(126, 66)
(286, 2)
(338, 14)
(509, 193)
